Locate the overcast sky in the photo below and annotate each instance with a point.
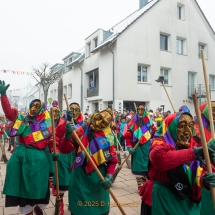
(39, 31)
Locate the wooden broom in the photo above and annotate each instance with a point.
(93, 164)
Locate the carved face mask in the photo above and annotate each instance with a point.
(185, 125)
(101, 120)
(56, 112)
(213, 110)
(75, 108)
(35, 106)
(140, 110)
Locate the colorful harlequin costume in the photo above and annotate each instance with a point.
(27, 170)
(85, 185)
(207, 203)
(140, 128)
(175, 175)
(66, 160)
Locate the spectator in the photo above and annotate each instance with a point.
(91, 83)
(158, 118)
(168, 112)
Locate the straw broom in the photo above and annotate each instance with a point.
(57, 202)
(94, 165)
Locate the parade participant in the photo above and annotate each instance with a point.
(158, 118)
(26, 181)
(175, 175)
(85, 185)
(207, 203)
(57, 114)
(66, 160)
(140, 128)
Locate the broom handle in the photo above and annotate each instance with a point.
(6, 134)
(92, 162)
(168, 97)
(135, 107)
(129, 154)
(204, 143)
(208, 94)
(117, 141)
(54, 146)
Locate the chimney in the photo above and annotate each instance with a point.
(142, 3)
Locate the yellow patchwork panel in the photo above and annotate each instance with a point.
(107, 130)
(37, 136)
(147, 135)
(46, 114)
(17, 124)
(99, 157)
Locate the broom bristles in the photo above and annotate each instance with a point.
(128, 162)
(119, 158)
(57, 207)
(116, 173)
(5, 158)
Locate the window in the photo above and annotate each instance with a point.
(180, 49)
(212, 82)
(180, 11)
(65, 90)
(142, 74)
(70, 90)
(165, 73)
(191, 83)
(95, 42)
(201, 47)
(163, 42)
(88, 49)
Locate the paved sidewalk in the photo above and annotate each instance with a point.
(124, 188)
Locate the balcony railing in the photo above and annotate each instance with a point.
(92, 92)
(199, 89)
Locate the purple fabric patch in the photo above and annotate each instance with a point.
(79, 160)
(205, 121)
(35, 126)
(144, 129)
(94, 146)
(13, 132)
(135, 118)
(168, 139)
(193, 166)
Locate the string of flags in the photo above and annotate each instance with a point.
(18, 89)
(14, 72)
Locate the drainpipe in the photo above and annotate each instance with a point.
(113, 75)
(81, 87)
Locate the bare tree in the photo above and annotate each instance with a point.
(45, 77)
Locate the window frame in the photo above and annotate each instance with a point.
(166, 43)
(212, 77)
(68, 90)
(95, 42)
(162, 70)
(141, 73)
(182, 11)
(199, 50)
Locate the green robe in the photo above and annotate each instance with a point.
(86, 194)
(140, 159)
(27, 173)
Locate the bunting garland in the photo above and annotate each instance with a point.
(14, 72)
(18, 89)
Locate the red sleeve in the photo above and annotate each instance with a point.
(128, 138)
(10, 113)
(165, 156)
(66, 146)
(50, 144)
(111, 165)
(61, 128)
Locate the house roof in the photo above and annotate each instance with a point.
(124, 24)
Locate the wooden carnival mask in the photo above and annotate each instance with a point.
(56, 111)
(140, 110)
(75, 108)
(101, 120)
(185, 125)
(34, 107)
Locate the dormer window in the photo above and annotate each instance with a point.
(95, 42)
(88, 49)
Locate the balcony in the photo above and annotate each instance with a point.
(199, 89)
(92, 92)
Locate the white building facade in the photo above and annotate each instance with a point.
(162, 38)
